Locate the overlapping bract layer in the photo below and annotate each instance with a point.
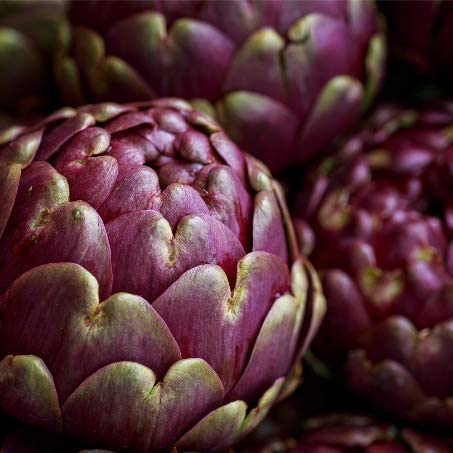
(150, 286)
(378, 216)
(283, 78)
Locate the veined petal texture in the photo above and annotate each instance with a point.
(151, 287)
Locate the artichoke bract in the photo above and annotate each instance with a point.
(283, 78)
(377, 219)
(151, 291)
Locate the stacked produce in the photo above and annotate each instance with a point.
(283, 78)
(378, 215)
(159, 289)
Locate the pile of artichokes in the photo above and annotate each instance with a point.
(226, 226)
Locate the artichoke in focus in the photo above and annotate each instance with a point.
(376, 218)
(283, 78)
(151, 290)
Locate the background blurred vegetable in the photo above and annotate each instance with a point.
(377, 216)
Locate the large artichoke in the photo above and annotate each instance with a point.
(151, 293)
(378, 216)
(282, 77)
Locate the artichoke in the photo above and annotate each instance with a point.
(376, 217)
(151, 290)
(283, 78)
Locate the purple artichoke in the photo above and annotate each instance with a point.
(377, 216)
(421, 33)
(282, 77)
(151, 292)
